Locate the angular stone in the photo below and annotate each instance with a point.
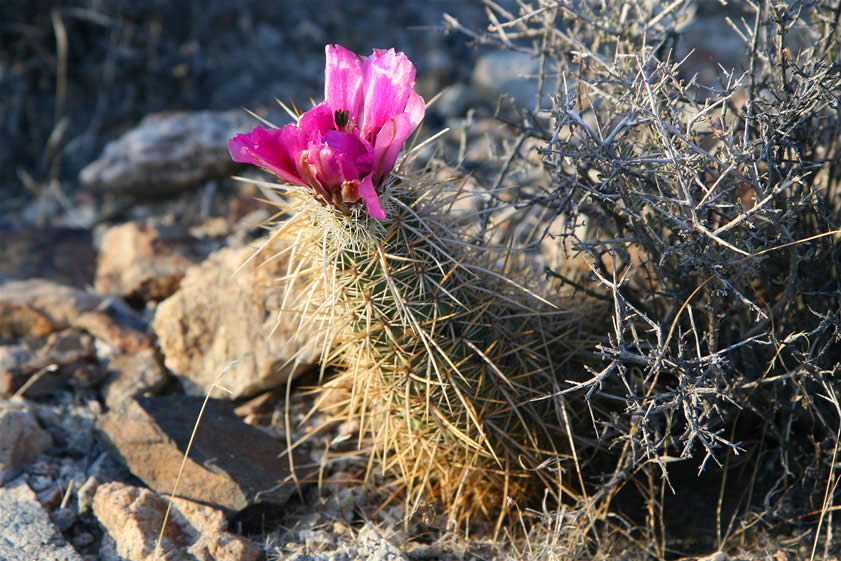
(37, 307)
(226, 311)
(135, 516)
(225, 546)
(15, 367)
(145, 261)
(21, 438)
(86, 492)
(132, 375)
(231, 464)
(110, 330)
(168, 152)
(26, 530)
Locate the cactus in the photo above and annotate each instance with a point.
(446, 362)
(450, 366)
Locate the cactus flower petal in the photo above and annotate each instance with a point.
(389, 141)
(272, 149)
(345, 147)
(369, 195)
(343, 81)
(388, 79)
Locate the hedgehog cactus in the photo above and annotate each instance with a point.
(445, 360)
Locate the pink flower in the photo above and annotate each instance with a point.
(345, 147)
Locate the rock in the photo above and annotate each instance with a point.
(225, 546)
(168, 152)
(37, 307)
(72, 351)
(28, 534)
(15, 367)
(231, 463)
(706, 42)
(63, 518)
(57, 306)
(318, 545)
(222, 314)
(135, 374)
(145, 261)
(371, 544)
(134, 517)
(455, 100)
(68, 356)
(72, 426)
(21, 438)
(65, 255)
(86, 492)
(510, 73)
(110, 330)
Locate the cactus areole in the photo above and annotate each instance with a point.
(344, 148)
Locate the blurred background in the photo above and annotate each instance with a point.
(77, 74)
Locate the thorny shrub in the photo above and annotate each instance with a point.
(708, 215)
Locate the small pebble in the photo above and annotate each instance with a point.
(63, 518)
(83, 539)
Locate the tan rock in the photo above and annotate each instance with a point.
(134, 518)
(224, 546)
(196, 518)
(21, 438)
(37, 307)
(228, 310)
(86, 492)
(144, 261)
(103, 326)
(231, 464)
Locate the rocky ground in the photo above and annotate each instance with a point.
(121, 231)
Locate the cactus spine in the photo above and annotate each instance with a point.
(446, 362)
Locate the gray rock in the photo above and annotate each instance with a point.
(136, 374)
(369, 544)
(63, 518)
(168, 152)
(455, 100)
(509, 73)
(226, 311)
(66, 358)
(21, 438)
(28, 534)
